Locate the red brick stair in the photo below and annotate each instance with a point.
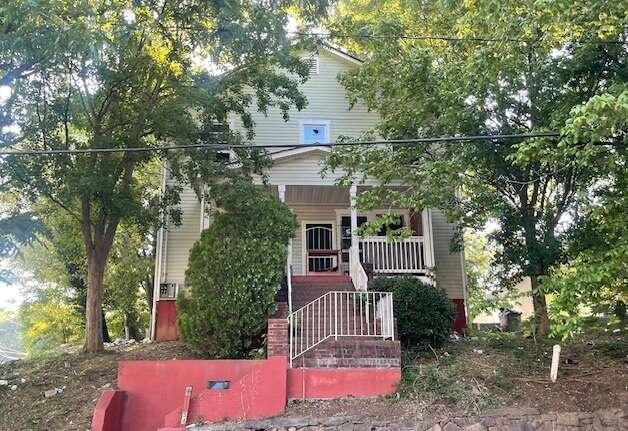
(363, 351)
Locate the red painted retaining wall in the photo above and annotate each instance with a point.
(109, 411)
(151, 393)
(321, 383)
(155, 391)
(166, 321)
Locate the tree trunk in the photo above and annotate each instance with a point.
(540, 308)
(93, 307)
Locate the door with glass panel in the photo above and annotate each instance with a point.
(321, 254)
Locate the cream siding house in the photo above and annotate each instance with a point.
(323, 243)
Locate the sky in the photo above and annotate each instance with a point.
(10, 294)
(10, 297)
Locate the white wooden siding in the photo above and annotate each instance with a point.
(448, 265)
(180, 239)
(304, 169)
(326, 101)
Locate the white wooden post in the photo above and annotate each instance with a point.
(281, 188)
(355, 253)
(555, 361)
(426, 220)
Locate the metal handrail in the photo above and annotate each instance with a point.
(341, 314)
(289, 284)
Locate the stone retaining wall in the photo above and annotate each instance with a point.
(515, 419)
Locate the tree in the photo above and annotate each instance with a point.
(48, 323)
(57, 258)
(517, 68)
(595, 272)
(115, 74)
(234, 272)
(128, 278)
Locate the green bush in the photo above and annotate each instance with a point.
(233, 274)
(424, 313)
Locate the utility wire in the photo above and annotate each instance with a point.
(395, 142)
(334, 35)
(446, 38)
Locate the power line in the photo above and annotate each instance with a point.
(334, 35)
(446, 38)
(395, 142)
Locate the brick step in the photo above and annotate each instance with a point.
(321, 289)
(352, 352)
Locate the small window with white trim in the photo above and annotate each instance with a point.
(313, 133)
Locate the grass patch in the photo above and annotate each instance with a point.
(616, 349)
(473, 374)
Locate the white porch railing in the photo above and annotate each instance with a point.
(395, 256)
(341, 314)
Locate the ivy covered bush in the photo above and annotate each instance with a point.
(424, 313)
(234, 271)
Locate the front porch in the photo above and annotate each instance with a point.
(326, 241)
(327, 273)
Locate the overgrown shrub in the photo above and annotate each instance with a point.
(424, 313)
(233, 274)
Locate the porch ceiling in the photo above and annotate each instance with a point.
(327, 195)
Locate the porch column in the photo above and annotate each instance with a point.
(428, 235)
(281, 189)
(353, 191)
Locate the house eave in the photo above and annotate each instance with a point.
(297, 151)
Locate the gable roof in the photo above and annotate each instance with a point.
(293, 152)
(339, 52)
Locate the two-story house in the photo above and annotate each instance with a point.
(325, 255)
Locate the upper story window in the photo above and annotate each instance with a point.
(314, 132)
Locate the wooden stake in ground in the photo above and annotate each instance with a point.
(555, 361)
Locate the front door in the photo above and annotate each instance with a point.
(321, 254)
